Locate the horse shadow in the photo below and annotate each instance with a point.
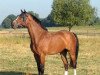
(17, 73)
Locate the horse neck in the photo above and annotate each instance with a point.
(35, 31)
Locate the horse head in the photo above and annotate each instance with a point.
(21, 20)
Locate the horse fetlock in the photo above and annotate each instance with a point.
(42, 69)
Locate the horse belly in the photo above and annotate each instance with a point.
(56, 46)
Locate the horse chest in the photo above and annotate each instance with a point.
(33, 48)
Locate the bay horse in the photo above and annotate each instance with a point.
(45, 43)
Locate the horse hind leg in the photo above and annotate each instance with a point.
(73, 61)
(64, 59)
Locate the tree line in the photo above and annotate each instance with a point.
(64, 13)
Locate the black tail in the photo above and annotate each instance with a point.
(77, 46)
(77, 49)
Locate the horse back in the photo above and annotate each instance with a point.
(55, 42)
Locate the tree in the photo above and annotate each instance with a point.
(72, 12)
(97, 20)
(35, 14)
(11, 17)
(7, 21)
(48, 21)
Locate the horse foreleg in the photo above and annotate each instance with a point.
(40, 59)
(37, 59)
(42, 62)
(64, 59)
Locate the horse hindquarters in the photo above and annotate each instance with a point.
(74, 54)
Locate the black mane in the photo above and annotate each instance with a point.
(35, 18)
(38, 21)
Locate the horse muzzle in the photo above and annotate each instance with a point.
(15, 24)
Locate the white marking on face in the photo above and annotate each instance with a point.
(16, 19)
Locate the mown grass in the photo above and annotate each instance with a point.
(16, 57)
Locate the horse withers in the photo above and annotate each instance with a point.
(45, 43)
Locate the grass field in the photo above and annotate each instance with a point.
(16, 57)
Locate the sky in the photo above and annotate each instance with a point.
(96, 4)
(41, 7)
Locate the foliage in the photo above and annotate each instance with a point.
(35, 14)
(48, 21)
(72, 12)
(7, 21)
(11, 17)
(97, 20)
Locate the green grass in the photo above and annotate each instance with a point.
(16, 57)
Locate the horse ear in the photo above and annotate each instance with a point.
(21, 11)
(24, 11)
